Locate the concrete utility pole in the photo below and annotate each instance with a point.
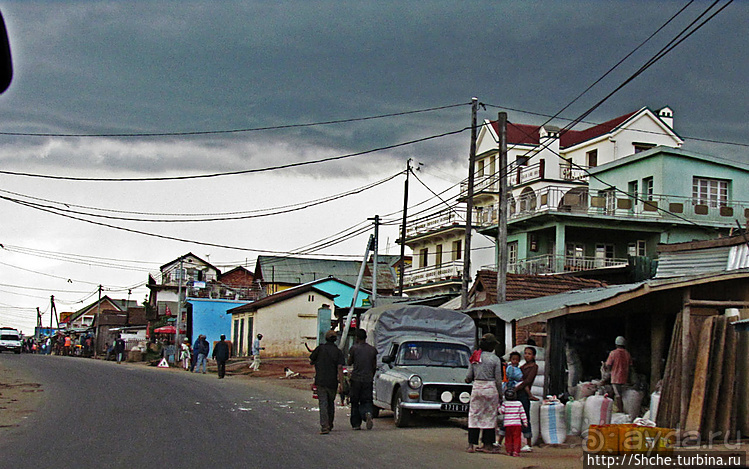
(502, 222)
(469, 207)
(402, 269)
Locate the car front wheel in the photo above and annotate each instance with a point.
(402, 416)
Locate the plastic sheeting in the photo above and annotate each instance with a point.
(387, 324)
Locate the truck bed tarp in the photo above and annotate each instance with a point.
(385, 324)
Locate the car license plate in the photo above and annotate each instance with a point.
(455, 407)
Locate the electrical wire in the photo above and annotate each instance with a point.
(296, 208)
(232, 131)
(244, 171)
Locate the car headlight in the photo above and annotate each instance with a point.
(414, 382)
(446, 396)
(465, 397)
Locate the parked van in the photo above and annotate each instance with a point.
(10, 340)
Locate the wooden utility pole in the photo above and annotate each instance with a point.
(97, 342)
(179, 309)
(502, 222)
(376, 241)
(402, 268)
(469, 208)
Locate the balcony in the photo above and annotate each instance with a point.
(423, 275)
(674, 209)
(435, 221)
(551, 264)
(518, 175)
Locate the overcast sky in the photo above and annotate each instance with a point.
(98, 68)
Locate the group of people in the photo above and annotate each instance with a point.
(195, 358)
(500, 389)
(329, 361)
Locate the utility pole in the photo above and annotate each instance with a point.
(469, 207)
(347, 325)
(38, 324)
(502, 222)
(179, 309)
(97, 343)
(402, 269)
(376, 241)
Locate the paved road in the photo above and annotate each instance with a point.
(100, 414)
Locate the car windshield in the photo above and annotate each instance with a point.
(9, 337)
(433, 354)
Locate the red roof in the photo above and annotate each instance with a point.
(525, 134)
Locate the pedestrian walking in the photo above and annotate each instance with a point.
(328, 360)
(203, 348)
(523, 390)
(514, 420)
(363, 357)
(485, 372)
(185, 354)
(119, 349)
(221, 355)
(256, 348)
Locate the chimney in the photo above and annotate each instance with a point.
(667, 116)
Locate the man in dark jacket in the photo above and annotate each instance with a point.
(328, 360)
(221, 355)
(364, 359)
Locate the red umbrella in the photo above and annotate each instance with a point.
(167, 330)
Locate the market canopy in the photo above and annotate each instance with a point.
(167, 330)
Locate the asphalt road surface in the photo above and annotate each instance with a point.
(102, 415)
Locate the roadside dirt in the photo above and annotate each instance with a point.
(19, 397)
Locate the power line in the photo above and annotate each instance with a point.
(231, 131)
(296, 207)
(244, 171)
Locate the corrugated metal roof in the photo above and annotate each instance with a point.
(699, 261)
(522, 309)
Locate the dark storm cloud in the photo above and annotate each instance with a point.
(161, 66)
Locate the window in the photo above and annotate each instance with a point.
(423, 257)
(637, 248)
(592, 158)
(457, 250)
(711, 192)
(609, 196)
(640, 147)
(647, 188)
(480, 170)
(438, 256)
(522, 160)
(310, 298)
(604, 255)
(574, 255)
(512, 253)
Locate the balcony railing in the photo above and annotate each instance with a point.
(555, 199)
(445, 271)
(435, 221)
(551, 264)
(517, 175)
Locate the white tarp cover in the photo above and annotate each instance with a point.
(386, 324)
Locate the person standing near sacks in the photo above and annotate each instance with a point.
(618, 364)
(328, 360)
(221, 355)
(364, 359)
(485, 372)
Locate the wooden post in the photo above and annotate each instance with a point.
(657, 341)
(686, 318)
